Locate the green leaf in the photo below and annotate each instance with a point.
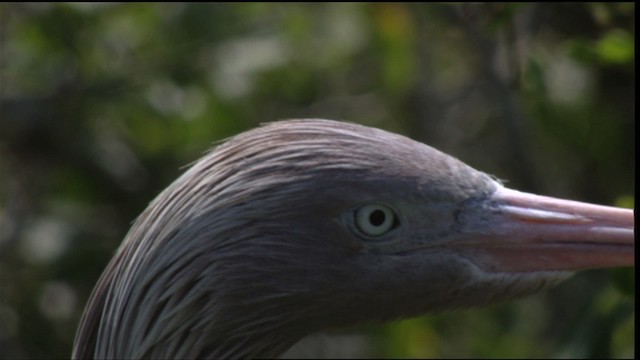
(616, 47)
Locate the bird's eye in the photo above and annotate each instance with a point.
(374, 220)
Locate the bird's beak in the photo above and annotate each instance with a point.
(540, 233)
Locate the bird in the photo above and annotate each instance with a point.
(306, 225)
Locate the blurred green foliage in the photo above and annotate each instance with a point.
(104, 103)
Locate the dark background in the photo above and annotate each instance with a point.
(102, 105)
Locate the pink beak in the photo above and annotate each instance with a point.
(541, 233)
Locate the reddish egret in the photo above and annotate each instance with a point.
(306, 225)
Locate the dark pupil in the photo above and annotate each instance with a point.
(377, 217)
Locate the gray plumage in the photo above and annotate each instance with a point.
(255, 246)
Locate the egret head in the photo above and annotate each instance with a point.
(306, 225)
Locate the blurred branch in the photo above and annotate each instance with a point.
(469, 17)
